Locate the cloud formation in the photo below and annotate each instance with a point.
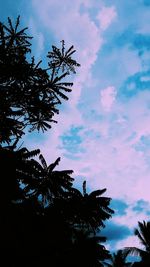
(108, 97)
(105, 16)
(115, 232)
(103, 131)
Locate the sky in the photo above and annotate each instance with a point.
(103, 131)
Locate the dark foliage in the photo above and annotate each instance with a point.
(88, 210)
(29, 94)
(44, 221)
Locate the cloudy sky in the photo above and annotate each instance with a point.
(103, 131)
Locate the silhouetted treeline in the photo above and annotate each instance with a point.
(45, 221)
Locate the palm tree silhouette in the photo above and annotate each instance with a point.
(89, 210)
(143, 233)
(46, 183)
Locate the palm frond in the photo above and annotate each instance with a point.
(59, 59)
(134, 251)
(97, 193)
(43, 161)
(52, 166)
(84, 188)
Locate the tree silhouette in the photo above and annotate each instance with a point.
(143, 233)
(45, 221)
(29, 94)
(89, 210)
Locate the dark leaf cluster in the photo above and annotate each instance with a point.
(29, 94)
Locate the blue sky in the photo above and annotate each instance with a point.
(103, 131)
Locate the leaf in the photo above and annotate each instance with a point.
(97, 193)
(71, 47)
(43, 161)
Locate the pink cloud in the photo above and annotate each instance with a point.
(67, 22)
(131, 241)
(106, 16)
(108, 97)
(131, 220)
(111, 160)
